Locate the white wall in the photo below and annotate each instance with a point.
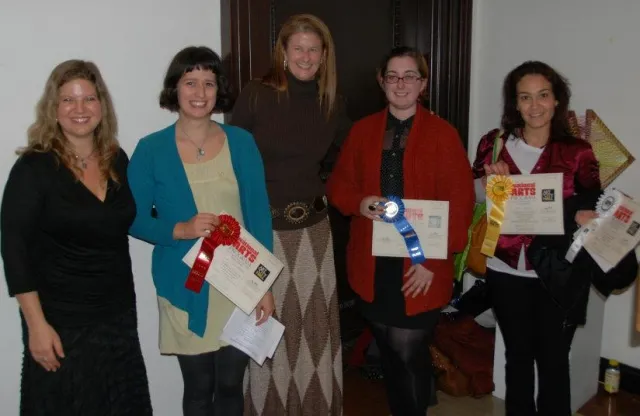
(132, 43)
(594, 44)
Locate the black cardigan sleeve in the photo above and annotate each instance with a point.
(21, 205)
(618, 278)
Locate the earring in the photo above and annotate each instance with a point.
(285, 64)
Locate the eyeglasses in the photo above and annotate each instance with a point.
(407, 79)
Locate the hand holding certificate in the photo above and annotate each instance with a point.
(236, 264)
(425, 234)
(258, 342)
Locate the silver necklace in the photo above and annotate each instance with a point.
(199, 149)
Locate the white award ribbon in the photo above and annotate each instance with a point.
(578, 242)
(607, 204)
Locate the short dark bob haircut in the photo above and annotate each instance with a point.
(188, 59)
(511, 118)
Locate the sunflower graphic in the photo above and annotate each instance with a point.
(499, 188)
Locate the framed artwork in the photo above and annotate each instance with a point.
(614, 158)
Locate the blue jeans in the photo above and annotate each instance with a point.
(213, 382)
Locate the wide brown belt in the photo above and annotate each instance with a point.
(296, 212)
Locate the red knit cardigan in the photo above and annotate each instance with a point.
(435, 166)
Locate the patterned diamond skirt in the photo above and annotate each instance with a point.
(305, 375)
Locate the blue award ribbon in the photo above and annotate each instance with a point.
(394, 214)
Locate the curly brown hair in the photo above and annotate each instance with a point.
(512, 120)
(45, 134)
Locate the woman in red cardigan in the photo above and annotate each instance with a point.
(408, 152)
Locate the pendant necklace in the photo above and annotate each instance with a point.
(82, 161)
(199, 149)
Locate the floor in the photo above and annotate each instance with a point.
(604, 404)
(363, 397)
(367, 397)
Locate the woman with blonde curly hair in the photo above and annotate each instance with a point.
(65, 217)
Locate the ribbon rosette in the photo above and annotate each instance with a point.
(499, 190)
(394, 214)
(608, 203)
(225, 234)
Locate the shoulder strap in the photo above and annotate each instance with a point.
(497, 146)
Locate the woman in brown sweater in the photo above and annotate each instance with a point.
(297, 119)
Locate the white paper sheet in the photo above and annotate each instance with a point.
(616, 232)
(258, 342)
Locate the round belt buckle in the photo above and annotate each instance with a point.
(296, 212)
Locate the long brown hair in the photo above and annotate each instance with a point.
(327, 79)
(45, 134)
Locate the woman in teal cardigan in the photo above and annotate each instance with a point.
(181, 177)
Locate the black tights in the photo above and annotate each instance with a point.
(213, 382)
(406, 365)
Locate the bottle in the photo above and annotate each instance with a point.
(612, 377)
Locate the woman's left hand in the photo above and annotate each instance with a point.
(584, 216)
(265, 308)
(419, 281)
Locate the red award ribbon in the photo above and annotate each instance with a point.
(225, 234)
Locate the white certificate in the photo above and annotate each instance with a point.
(535, 206)
(243, 272)
(258, 342)
(430, 221)
(617, 231)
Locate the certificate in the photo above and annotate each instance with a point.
(617, 230)
(243, 272)
(258, 342)
(430, 221)
(535, 206)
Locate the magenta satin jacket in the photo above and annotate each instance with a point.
(570, 156)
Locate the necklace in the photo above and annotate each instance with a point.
(82, 161)
(524, 139)
(199, 149)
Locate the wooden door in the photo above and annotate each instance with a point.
(363, 31)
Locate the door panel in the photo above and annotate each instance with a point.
(363, 31)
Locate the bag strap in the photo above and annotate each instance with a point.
(479, 213)
(497, 146)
